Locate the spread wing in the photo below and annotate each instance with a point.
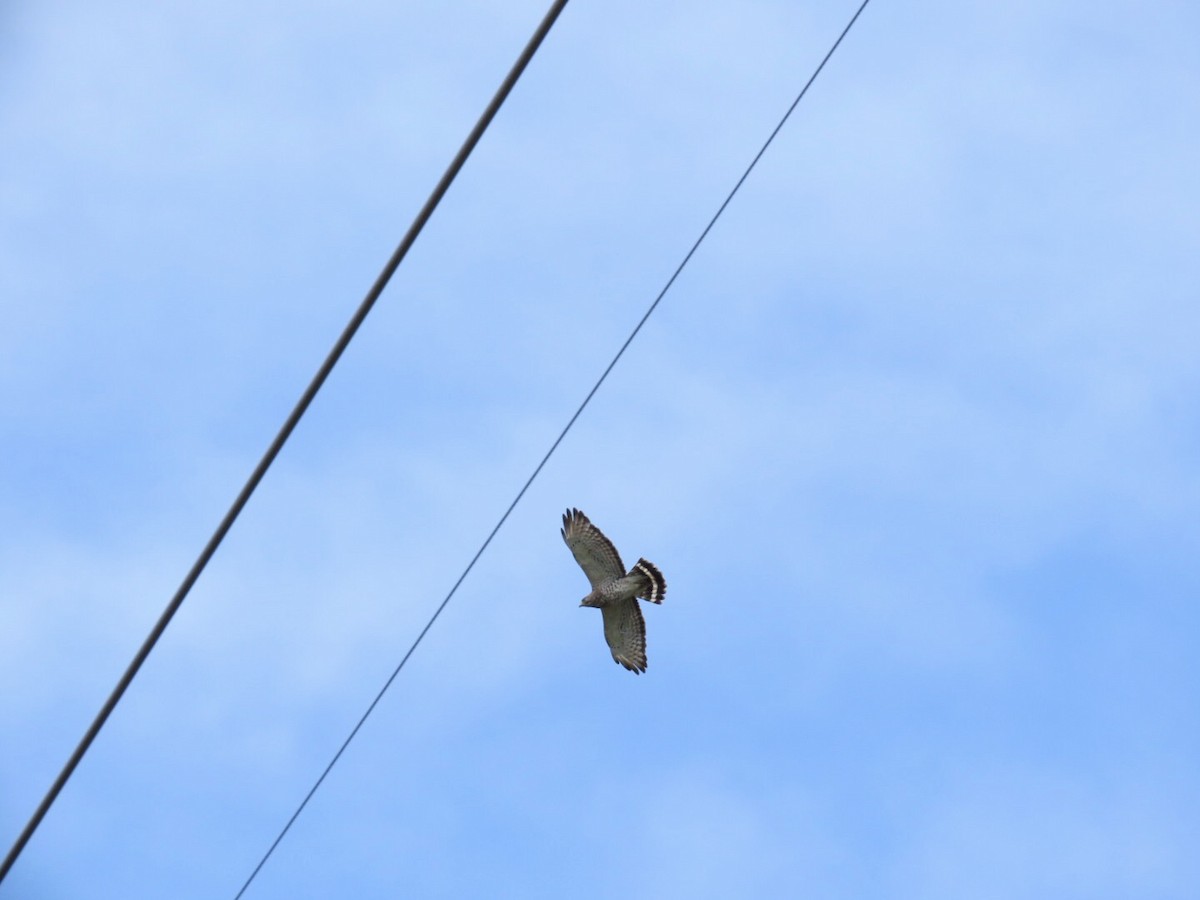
(625, 631)
(594, 552)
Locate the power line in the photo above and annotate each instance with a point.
(578, 412)
(284, 432)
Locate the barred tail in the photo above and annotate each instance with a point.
(654, 586)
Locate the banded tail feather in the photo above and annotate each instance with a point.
(654, 587)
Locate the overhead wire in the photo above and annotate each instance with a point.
(284, 433)
(553, 447)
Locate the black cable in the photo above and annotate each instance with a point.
(586, 400)
(288, 426)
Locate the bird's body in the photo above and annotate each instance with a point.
(614, 591)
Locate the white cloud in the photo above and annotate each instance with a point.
(1048, 834)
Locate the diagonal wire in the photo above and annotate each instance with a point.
(284, 432)
(545, 459)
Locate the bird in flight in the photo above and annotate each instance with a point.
(614, 591)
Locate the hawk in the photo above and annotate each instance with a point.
(614, 590)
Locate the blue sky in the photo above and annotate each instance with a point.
(915, 440)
